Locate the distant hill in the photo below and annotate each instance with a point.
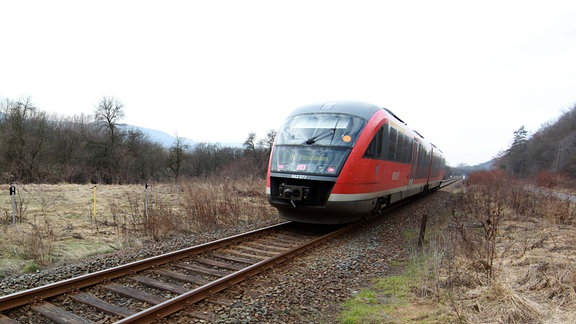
(467, 169)
(551, 149)
(159, 136)
(167, 140)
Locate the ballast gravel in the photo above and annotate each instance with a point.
(310, 288)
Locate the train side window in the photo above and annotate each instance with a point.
(400, 148)
(438, 163)
(374, 150)
(422, 164)
(392, 138)
(407, 154)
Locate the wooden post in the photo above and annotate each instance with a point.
(94, 205)
(13, 197)
(146, 201)
(422, 230)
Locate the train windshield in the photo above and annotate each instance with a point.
(315, 143)
(320, 129)
(299, 159)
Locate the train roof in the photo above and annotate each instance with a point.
(361, 109)
(357, 108)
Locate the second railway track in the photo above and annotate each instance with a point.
(153, 288)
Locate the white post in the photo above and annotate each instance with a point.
(13, 197)
(146, 202)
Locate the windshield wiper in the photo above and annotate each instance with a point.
(321, 135)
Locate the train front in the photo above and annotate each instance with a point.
(309, 152)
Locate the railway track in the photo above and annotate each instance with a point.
(447, 182)
(154, 288)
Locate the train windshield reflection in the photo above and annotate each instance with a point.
(315, 143)
(302, 159)
(321, 129)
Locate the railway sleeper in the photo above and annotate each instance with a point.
(266, 247)
(160, 285)
(233, 258)
(7, 320)
(207, 317)
(219, 264)
(135, 294)
(258, 251)
(183, 277)
(247, 256)
(104, 306)
(276, 244)
(59, 315)
(203, 270)
(221, 301)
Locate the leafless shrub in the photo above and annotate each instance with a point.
(548, 179)
(556, 210)
(30, 242)
(477, 224)
(38, 243)
(209, 205)
(161, 222)
(501, 304)
(522, 202)
(495, 225)
(191, 206)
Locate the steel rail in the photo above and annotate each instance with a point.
(177, 303)
(39, 293)
(446, 183)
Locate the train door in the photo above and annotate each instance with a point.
(430, 165)
(415, 149)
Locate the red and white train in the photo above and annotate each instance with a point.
(339, 162)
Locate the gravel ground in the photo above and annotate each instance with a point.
(309, 289)
(313, 287)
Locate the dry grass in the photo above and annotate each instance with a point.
(56, 223)
(506, 255)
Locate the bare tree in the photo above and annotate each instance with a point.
(109, 114)
(250, 143)
(23, 131)
(267, 142)
(176, 156)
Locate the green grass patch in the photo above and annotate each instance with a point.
(378, 303)
(410, 235)
(394, 288)
(77, 249)
(363, 308)
(31, 267)
(391, 299)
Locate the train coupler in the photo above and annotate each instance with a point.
(294, 193)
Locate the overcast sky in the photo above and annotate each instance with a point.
(465, 74)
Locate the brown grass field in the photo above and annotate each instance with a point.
(506, 255)
(503, 255)
(58, 223)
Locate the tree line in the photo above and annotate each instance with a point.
(99, 148)
(550, 149)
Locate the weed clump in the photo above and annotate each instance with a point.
(49, 217)
(505, 254)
